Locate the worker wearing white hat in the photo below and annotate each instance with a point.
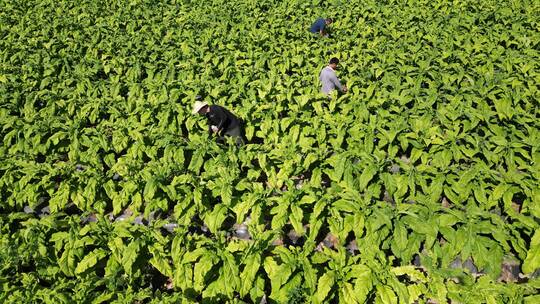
(222, 122)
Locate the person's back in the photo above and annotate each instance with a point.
(327, 78)
(318, 26)
(223, 118)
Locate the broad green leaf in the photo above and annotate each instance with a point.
(201, 269)
(296, 217)
(414, 274)
(90, 260)
(215, 218)
(160, 262)
(247, 277)
(385, 295)
(532, 261)
(324, 285)
(363, 283)
(366, 176)
(129, 256)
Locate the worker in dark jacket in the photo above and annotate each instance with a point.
(320, 26)
(222, 122)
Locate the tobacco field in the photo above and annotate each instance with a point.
(419, 185)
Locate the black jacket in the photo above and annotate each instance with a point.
(222, 119)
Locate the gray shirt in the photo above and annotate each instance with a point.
(329, 80)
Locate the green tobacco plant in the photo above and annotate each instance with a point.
(420, 184)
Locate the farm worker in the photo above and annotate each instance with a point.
(329, 79)
(319, 26)
(222, 122)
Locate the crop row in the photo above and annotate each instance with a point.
(420, 184)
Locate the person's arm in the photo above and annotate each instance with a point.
(336, 82)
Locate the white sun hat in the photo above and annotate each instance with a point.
(198, 105)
